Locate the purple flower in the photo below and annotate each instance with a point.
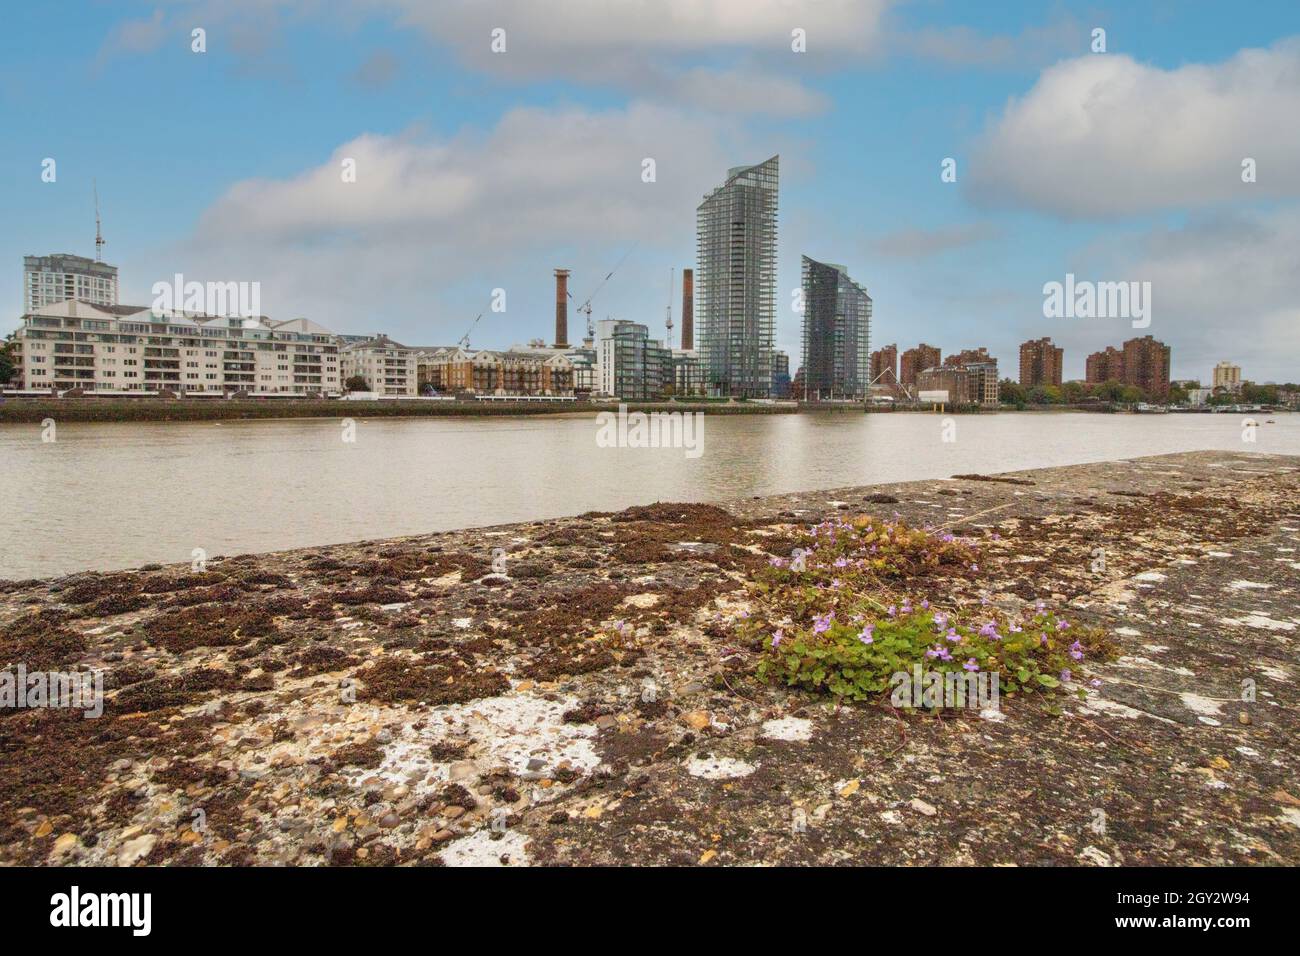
(942, 654)
(975, 567)
(823, 624)
(940, 620)
(1094, 682)
(907, 606)
(970, 665)
(1044, 640)
(925, 605)
(952, 635)
(778, 636)
(1065, 675)
(1076, 651)
(866, 636)
(841, 562)
(1015, 628)
(990, 630)
(1062, 625)
(893, 611)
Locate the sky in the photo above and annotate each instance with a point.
(481, 169)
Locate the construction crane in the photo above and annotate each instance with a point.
(586, 306)
(99, 237)
(464, 339)
(669, 323)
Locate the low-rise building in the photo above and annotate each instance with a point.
(388, 367)
(969, 378)
(983, 374)
(123, 348)
(516, 371)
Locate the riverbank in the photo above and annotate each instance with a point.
(399, 702)
(29, 410)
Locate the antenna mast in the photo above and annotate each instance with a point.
(99, 236)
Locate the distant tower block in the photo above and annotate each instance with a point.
(561, 308)
(688, 309)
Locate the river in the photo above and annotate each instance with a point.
(115, 495)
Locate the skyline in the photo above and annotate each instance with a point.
(459, 191)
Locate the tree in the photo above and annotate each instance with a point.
(1111, 391)
(7, 366)
(1258, 394)
(357, 383)
(1071, 392)
(1011, 393)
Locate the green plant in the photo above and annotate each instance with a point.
(837, 618)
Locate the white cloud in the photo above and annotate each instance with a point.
(431, 226)
(1104, 136)
(732, 56)
(1226, 285)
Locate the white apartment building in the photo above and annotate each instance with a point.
(48, 280)
(105, 349)
(388, 367)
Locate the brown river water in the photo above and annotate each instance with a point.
(115, 495)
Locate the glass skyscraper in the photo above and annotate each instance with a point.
(735, 281)
(836, 333)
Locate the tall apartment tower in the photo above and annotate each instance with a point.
(915, 361)
(836, 333)
(884, 365)
(55, 278)
(1227, 376)
(1040, 363)
(735, 278)
(1104, 366)
(1146, 365)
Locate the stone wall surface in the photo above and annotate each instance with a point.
(402, 701)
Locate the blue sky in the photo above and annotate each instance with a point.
(480, 171)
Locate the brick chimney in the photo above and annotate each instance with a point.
(688, 309)
(561, 308)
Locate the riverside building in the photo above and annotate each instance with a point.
(106, 349)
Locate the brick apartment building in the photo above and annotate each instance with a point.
(917, 360)
(882, 361)
(1104, 366)
(1040, 363)
(1146, 365)
(1143, 363)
